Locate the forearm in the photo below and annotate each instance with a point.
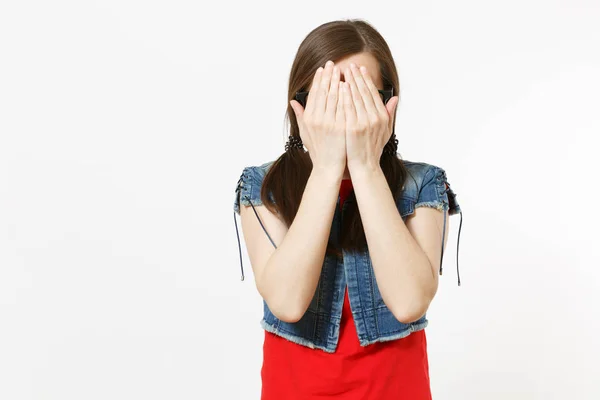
(292, 273)
(402, 270)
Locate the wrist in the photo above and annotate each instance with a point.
(328, 174)
(363, 168)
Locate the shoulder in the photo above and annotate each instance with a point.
(264, 167)
(254, 174)
(248, 187)
(419, 174)
(420, 169)
(428, 186)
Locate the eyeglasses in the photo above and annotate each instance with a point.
(385, 94)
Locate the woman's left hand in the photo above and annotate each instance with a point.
(369, 122)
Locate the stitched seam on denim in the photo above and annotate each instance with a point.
(318, 317)
(372, 285)
(401, 334)
(293, 338)
(362, 308)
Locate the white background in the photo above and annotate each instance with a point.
(124, 127)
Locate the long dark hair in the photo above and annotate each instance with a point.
(288, 175)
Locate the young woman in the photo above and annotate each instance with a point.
(345, 239)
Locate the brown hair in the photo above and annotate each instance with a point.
(288, 175)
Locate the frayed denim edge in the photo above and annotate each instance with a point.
(403, 334)
(432, 204)
(304, 342)
(439, 206)
(292, 338)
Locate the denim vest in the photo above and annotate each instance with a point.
(426, 186)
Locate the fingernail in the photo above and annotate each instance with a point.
(328, 63)
(363, 69)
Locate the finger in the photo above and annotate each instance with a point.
(363, 90)
(313, 90)
(391, 106)
(374, 92)
(298, 110)
(359, 107)
(323, 90)
(349, 108)
(333, 97)
(339, 111)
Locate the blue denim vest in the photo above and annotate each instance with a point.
(426, 186)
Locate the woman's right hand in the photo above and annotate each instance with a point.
(322, 123)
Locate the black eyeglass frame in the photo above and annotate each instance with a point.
(386, 93)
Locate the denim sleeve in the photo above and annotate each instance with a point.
(436, 192)
(248, 188)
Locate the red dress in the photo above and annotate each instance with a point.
(396, 369)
